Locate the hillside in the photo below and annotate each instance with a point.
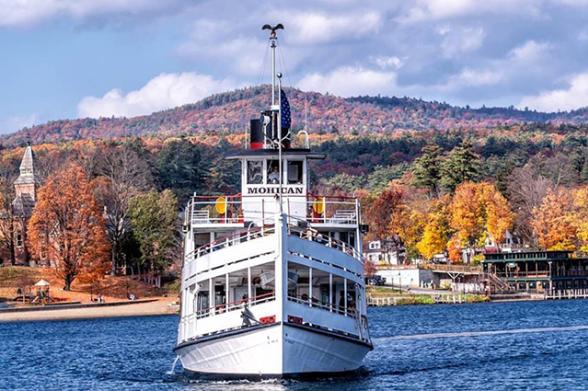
(320, 113)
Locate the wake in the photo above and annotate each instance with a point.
(466, 334)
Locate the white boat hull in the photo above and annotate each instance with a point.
(273, 350)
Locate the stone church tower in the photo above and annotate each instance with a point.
(22, 206)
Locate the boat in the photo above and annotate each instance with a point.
(273, 277)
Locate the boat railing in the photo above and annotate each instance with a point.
(314, 303)
(327, 241)
(241, 237)
(213, 210)
(235, 305)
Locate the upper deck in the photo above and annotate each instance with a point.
(221, 213)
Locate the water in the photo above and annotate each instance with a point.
(499, 346)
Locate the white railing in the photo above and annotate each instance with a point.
(206, 210)
(331, 308)
(236, 305)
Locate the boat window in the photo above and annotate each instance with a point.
(273, 174)
(202, 300)
(294, 172)
(255, 172)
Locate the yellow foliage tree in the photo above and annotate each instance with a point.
(436, 231)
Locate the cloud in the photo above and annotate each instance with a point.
(426, 10)
(316, 27)
(12, 124)
(573, 97)
(387, 62)
(30, 12)
(529, 51)
(461, 40)
(164, 91)
(349, 81)
(475, 78)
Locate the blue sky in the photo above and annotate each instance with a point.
(79, 58)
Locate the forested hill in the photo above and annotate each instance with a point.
(320, 113)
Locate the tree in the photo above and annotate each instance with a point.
(478, 209)
(155, 227)
(436, 232)
(380, 211)
(526, 190)
(180, 168)
(462, 165)
(552, 222)
(123, 175)
(427, 169)
(68, 225)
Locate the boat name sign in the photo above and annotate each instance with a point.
(275, 190)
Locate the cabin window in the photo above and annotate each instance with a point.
(255, 172)
(18, 239)
(294, 172)
(273, 172)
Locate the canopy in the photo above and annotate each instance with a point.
(42, 283)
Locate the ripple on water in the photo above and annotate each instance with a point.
(487, 346)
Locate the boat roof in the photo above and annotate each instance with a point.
(253, 153)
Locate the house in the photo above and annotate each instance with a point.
(384, 252)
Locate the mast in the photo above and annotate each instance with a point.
(273, 44)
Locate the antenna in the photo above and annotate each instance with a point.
(273, 43)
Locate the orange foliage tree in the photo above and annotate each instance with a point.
(553, 221)
(478, 209)
(68, 225)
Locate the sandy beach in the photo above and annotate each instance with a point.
(160, 307)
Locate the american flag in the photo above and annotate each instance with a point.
(285, 107)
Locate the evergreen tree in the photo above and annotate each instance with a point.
(462, 165)
(427, 169)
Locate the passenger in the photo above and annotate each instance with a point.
(274, 176)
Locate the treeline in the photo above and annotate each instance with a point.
(461, 200)
(113, 205)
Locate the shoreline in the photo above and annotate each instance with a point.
(148, 307)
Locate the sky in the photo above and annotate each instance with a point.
(99, 58)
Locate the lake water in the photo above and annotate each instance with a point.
(496, 346)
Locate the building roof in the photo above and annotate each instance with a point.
(529, 256)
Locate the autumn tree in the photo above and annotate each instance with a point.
(67, 224)
(436, 232)
(552, 221)
(154, 220)
(381, 209)
(478, 209)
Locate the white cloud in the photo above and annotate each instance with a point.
(424, 10)
(475, 78)
(388, 62)
(162, 92)
(315, 27)
(28, 12)
(12, 124)
(571, 98)
(529, 51)
(349, 81)
(461, 40)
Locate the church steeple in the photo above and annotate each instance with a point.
(24, 185)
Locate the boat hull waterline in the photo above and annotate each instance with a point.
(273, 351)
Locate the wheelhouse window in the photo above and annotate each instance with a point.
(255, 172)
(273, 172)
(295, 172)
